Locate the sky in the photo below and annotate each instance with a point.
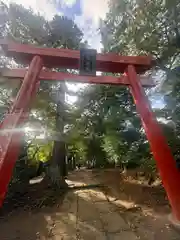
(85, 13)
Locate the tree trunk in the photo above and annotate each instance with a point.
(57, 169)
(73, 162)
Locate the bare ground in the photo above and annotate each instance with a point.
(101, 204)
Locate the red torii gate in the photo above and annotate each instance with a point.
(64, 58)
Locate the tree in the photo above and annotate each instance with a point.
(143, 27)
(107, 127)
(23, 25)
(149, 27)
(107, 114)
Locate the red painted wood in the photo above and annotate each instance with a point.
(10, 135)
(69, 59)
(61, 76)
(10, 139)
(166, 163)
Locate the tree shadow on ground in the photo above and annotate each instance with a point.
(119, 188)
(33, 197)
(54, 214)
(85, 187)
(24, 215)
(77, 217)
(72, 213)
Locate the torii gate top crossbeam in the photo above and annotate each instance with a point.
(65, 58)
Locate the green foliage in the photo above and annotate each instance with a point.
(106, 115)
(107, 126)
(143, 27)
(25, 26)
(111, 146)
(148, 27)
(39, 152)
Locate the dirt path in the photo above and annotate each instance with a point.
(87, 212)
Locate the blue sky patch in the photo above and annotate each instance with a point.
(69, 10)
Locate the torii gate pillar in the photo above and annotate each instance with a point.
(166, 164)
(10, 140)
